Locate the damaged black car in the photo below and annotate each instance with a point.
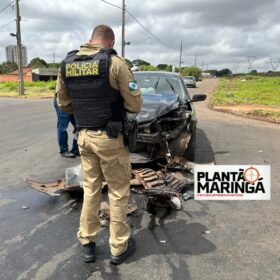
(167, 121)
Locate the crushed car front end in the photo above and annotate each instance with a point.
(166, 121)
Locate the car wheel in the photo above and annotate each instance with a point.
(190, 151)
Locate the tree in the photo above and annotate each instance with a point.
(148, 68)
(162, 66)
(191, 71)
(212, 72)
(8, 67)
(129, 63)
(38, 63)
(53, 65)
(224, 72)
(168, 68)
(254, 72)
(140, 62)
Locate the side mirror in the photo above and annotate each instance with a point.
(198, 97)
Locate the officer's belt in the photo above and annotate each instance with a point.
(93, 128)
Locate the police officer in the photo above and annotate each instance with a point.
(98, 86)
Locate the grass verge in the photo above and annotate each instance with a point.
(249, 90)
(32, 89)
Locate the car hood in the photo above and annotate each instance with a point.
(156, 105)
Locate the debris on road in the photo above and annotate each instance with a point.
(24, 207)
(167, 183)
(104, 214)
(51, 188)
(188, 194)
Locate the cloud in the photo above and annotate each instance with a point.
(220, 33)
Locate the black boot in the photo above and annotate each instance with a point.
(89, 252)
(75, 152)
(67, 154)
(131, 248)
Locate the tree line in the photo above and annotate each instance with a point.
(8, 67)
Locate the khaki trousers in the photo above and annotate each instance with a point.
(104, 158)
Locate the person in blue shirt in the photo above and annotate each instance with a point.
(63, 120)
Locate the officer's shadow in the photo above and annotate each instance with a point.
(173, 239)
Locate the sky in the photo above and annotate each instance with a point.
(215, 33)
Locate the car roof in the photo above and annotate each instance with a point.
(157, 73)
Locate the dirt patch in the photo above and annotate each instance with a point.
(247, 107)
(253, 111)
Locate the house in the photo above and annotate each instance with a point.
(38, 74)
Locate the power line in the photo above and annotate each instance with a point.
(148, 31)
(4, 3)
(124, 9)
(5, 7)
(112, 4)
(7, 24)
(89, 7)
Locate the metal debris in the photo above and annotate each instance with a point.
(175, 203)
(168, 183)
(24, 207)
(104, 214)
(188, 194)
(51, 188)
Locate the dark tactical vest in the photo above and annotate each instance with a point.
(94, 101)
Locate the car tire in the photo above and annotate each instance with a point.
(189, 153)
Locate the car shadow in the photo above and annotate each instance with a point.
(204, 153)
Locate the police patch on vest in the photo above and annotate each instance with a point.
(132, 86)
(82, 68)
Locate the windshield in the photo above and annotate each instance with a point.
(160, 84)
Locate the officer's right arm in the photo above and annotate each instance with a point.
(62, 95)
(129, 89)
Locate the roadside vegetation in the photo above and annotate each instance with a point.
(260, 93)
(32, 89)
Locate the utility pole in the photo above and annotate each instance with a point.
(19, 51)
(202, 65)
(180, 59)
(274, 64)
(251, 60)
(195, 59)
(123, 27)
(123, 43)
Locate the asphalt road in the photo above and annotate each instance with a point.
(206, 240)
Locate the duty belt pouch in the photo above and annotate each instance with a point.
(132, 135)
(113, 129)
